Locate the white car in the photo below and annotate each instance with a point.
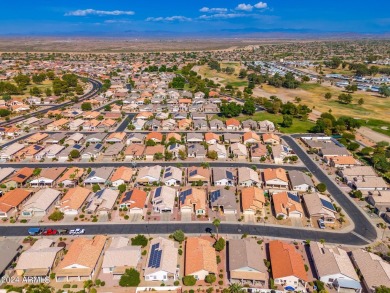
(77, 231)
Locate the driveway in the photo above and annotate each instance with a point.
(186, 217)
(296, 222)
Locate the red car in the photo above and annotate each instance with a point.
(50, 232)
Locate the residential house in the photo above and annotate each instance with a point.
(120, 256)
(333, 266)
(248, 177)
(275, 178)
(19, 178)
(56, 138)
(287, 204)
(258, 151)
(57, 124)
(97, 137)
(349, 175)
(211, 138)
(116, 137)
(250, 138)
(149, 175)
(175, 149)
(122, 175)
(168, 124)
(48, 177)
(216, 124)
(200, 124)
(343, 161)
(134, 151)
(163, 199)
(223, 177)
(40, 203)
(75, 138)
(223, 200)
(246, 262)
(193, 201)
(249, 125)
(113, 150)
(220, 149)
(271, 138)
(71, 177)
(93, 151)
(37, 138)
(12, 201)
(232, 137)
(194, 137)
(319, 206)
(198, 174)
(9, 252)
(200, 258)
(380, 200)
(233, 124)
(287, 266)
(102, 201)
(6, 172)
(76, 124)
(157, 137)
(196, 150)
(184, 124)
(73, 200)
(99, 176)
(266, 126)
(7, 153)
(367, 184)
(172, 176)
(151, 151)
(134, 201)
(238, 151)
(137, 138)
(300, 181)
(332, 152)
(162, 261)
(252, 201)
(39, 259)
(52, 151)
(374, 270)
(81, 261)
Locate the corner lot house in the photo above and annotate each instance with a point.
(163, 199)
(246, 262)
(287, 265)
(12, 201)
(333, 266)
(162, 261)
(73, 200)
(19, 178)
(374, 270)
(380, 200)
(120, 256)
(40, 203)
(80, 263)
(40, 259)
(200, 258)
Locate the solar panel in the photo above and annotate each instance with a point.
(91, 174)
(293, 197)
(184, 194)
(77, 146)
(158, 202)
(21, 176)
(214, 195)
(98, 146)
(37, 147)
(155, 256)
(229, 175)
(99, 193)
(327, 205)
(168, 174)
(157, 192)
(127, 196)
(193, 172)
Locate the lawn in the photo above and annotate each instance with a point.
(297, 127)
(379, 126)
(221, 77)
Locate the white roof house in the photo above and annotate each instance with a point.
(102, 201)
(163, 199)
(50, 152)
(5, 172)
(149, 174)
(99, 175)
(161, 264)
(120, 256)
(7, 152)
(172, 176)
(39, 259)
(40, 203)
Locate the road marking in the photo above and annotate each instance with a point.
(360, 236)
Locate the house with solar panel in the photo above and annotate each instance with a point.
(223, 201)
(172, 176)
(19, 178)
(223, 177)
(175, 148)
(162, 262)
(163, 199)
(287, 204)
(196, 150)
(134, 201)
(99, 176)
(319, 206)
(63, 156)
(102, 201)
(149, 175)
(198, 174)
(193, 201)
(92, 151)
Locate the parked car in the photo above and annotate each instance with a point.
(48, 232)
(77, 231)
(321, 223)
(63, 231)
(34, 231)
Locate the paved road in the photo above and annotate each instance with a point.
(151, 163)
(363, 226)
(201, 228)
(96, 86)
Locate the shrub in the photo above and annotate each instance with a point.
(321, 187)
(139, 240)
(52, 276)
(179, 236)
(210, 278)
(130, 278)
(176, 283)
(189, 280)
(66, 286)
(57, 215)
(219, 245)
(180, 251)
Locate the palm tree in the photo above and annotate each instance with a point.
(235, 288)
(216, 224)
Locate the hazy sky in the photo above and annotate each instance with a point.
(116, 16)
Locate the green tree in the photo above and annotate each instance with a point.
(122, 188)
(345, 98)
(107, 108)
(321, 187)
(230, 109)
(74, 154)
(213, 155)
(361, 101)
(287, 121)
(34, 91)
(56, 216)
(178, 82)
(384, 91)
(249, 107)
(236, 288)
(189, 280)
(242, 73)
(210, 278)
(179, 236)
(48, 92)
(219, 245)
(86, 106)
(382, 289)
(216, 224)
(96, 187)
(158, 156)
(328, 96)
(139, 240)
(131, 278)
